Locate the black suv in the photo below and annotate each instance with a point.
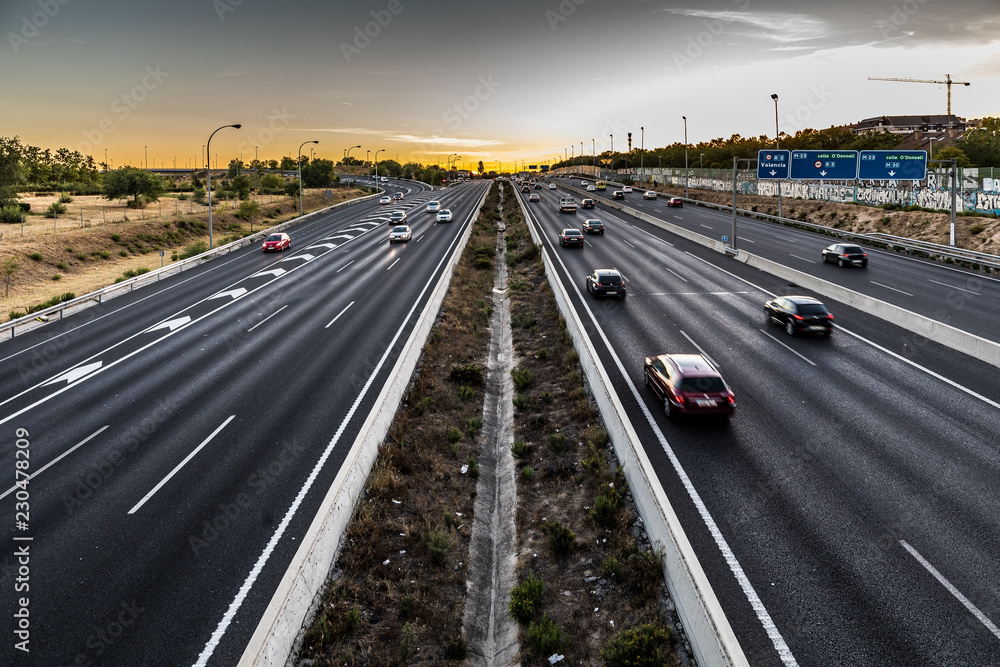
(606, 282)
(799, 313)
(844, 254)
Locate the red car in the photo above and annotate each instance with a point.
(675, 201)
(571, 237)
(276, 242)
(688, 384)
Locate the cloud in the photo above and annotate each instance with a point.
(775, 26)
(232, 71)
(390, 135)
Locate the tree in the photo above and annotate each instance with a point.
(949, 152)
(11, 169)
(132, 182)
(317, 174)
(480, 166)
(983, 145)
(241, 186)
(292, 188)
(7, 270)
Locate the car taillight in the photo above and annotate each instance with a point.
(731, 399)
(844, 255)
(623, 283)
(829, 316)
(680, 398)
(798, 317)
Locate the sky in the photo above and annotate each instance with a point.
(502, 82)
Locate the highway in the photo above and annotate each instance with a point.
(846, 514)
(963, 298)
(182, 436)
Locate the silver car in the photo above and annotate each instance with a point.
(401, 233)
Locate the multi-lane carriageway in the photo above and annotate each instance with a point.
(847, 514)
(182, 436)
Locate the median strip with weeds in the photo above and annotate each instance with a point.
(590, 588)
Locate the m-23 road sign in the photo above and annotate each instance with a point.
(772, 165)
(824, 165)
(893, 166)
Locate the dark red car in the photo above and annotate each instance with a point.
(688, 384)
(276, 242)
(675, 202)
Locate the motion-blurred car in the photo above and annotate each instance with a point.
(799, 314)
(433, 206)
(385, 200)
(525, 188)
(606, 282)
(538, 186)
(276, 243)
(398, 196)
(534, 197)
(675, 202)
(571, 237)
(444, 215)
(627, 189)
(397, 217)
(401, 233)
(552, 186)
(688, 384)
(591, 188)
(587, 203)
(649, 194)
(618, 194)
(845, 254)
(593, 226)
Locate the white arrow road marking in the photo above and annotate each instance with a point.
(234, 293)
(170, 324)
(306, 257)
(341, 236)
(331, 246)
(269, 272)
(74, 374)
(181, 465)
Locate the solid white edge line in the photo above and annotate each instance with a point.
(803, 358)
(339, 314)
(980, 616)
(58, 458)
(248, 583)
(181, 465)
(267, 318)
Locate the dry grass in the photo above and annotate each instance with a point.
(92, 257)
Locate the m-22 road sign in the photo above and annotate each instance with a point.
(772, 165)
(824, 165)
(893, 166)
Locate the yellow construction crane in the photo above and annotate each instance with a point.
(947, 82)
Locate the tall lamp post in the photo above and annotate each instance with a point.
(593, 149)
(774, 96)
(208, 170)
(687, 194)
(368, 153)
(612, 152)
(347, 162)
(642, 150)
(300, 171)
(381, 150)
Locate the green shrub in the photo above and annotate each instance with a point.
(457, 649)
(645, 646)
(423, 405)
(116, 237)
(352, 619)
(473, 468)
(63, 266)
(15, 314)
(454, 435)
(64, 198)
(976, 229)
(542, 354)
(524, 319)
(56, 276)
(438, 546)
(611, 567)
(545, 637)
(527, 472)
(80, 256)
(123, 253)
(606, 507)
(469, 374)
(522, 402)
(54, 209)
(525, 599)
(10, 215)
(105, 254)
(193, 249)
(562, 540)
(522, 378)
(183, 196)
(465, 393)
(474, 426)
(248, 209)
(519, 449)
(545, 398)
(555, 442)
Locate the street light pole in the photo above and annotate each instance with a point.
(612, 152)
(774, 96)
(347, 161)
(381, 150)
(593, 149)
(208, 171)
(687, 193)
(300, 171)
(642, 150)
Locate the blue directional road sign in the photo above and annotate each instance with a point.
(828, 165)
(893, 166)
(772, 165)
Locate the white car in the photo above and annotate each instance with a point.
(385, 200)
(433, 206)
(552, 186)
(398, 196)
(401, 233)
(649, 194)
(444, 215)
(627, 189)
(583, 182)
(591, 188)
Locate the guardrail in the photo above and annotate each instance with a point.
(39, 318)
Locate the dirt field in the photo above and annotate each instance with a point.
(93, 255)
